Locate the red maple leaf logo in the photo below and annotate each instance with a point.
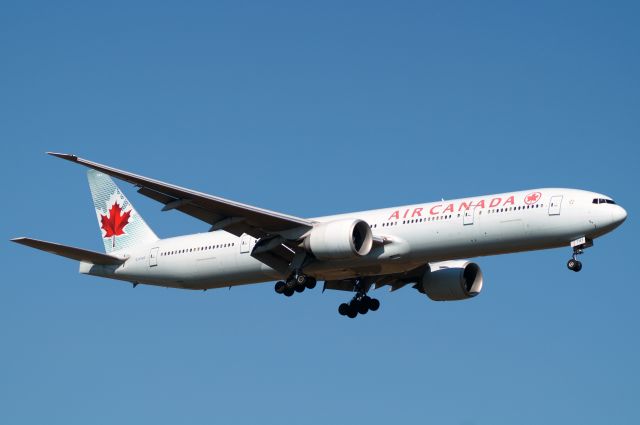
(532, 197)
(114, 222)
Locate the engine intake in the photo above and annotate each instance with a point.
(451, 281)
(340, 239)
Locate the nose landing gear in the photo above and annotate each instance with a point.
(579, 245)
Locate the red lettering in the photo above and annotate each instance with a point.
(396, 215)
(480, 204)
(432, 211)
(449, 208)
(509, 200)
(495, 202)
(416, 212)
(463, 204)
(405, 214)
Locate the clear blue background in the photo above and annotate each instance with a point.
(314, 109)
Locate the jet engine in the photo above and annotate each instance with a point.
(340, 239)
(451, 280)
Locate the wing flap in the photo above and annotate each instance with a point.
(74, 253)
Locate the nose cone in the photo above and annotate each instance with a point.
(618, 215)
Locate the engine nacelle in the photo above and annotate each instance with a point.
(340, 239)
(451, 281)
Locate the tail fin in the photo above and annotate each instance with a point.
(121, 226)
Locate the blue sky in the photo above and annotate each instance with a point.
(311, 109)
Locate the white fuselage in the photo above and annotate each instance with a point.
(416, 234)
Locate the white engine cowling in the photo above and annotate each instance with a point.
(451, 280)
(340, 239)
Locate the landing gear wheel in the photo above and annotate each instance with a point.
(574, 265)
(279, 287)
(288, 292)
(374, 304)
(343, 309)
(363, 308)
(311, 283)
(351, 313)
(298, 288)
(301, 279)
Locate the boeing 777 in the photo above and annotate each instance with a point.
(423, 245)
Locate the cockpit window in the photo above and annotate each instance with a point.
(603, 201)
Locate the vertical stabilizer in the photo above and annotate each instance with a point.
(120, 225)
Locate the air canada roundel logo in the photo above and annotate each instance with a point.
(532, 198)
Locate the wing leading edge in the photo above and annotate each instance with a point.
(221, 214)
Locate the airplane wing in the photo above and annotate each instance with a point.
(220, 213)
(78, 254)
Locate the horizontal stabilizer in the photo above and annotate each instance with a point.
(70, 252)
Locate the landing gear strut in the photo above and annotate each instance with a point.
(361, 303)
(297, 282)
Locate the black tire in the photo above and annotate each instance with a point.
(279, 287)
(363, 308)
(311, 283)
(288, 292)
(352, 313)
(571, 264)
(374, 304)
(301, 279)
(343, 309)
(298, 288)
(578, 266)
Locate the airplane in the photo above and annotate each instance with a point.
(422, 245)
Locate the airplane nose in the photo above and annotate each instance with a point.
(618, 215)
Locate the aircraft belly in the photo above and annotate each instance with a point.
(231, 270)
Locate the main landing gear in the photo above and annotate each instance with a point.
(297, 282)
(361, 303)
(579, 245)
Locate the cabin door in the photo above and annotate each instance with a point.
(554, 205)
(469, 216)
(153, 257)
(245, 243)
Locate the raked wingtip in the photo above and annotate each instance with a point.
(67, 156)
